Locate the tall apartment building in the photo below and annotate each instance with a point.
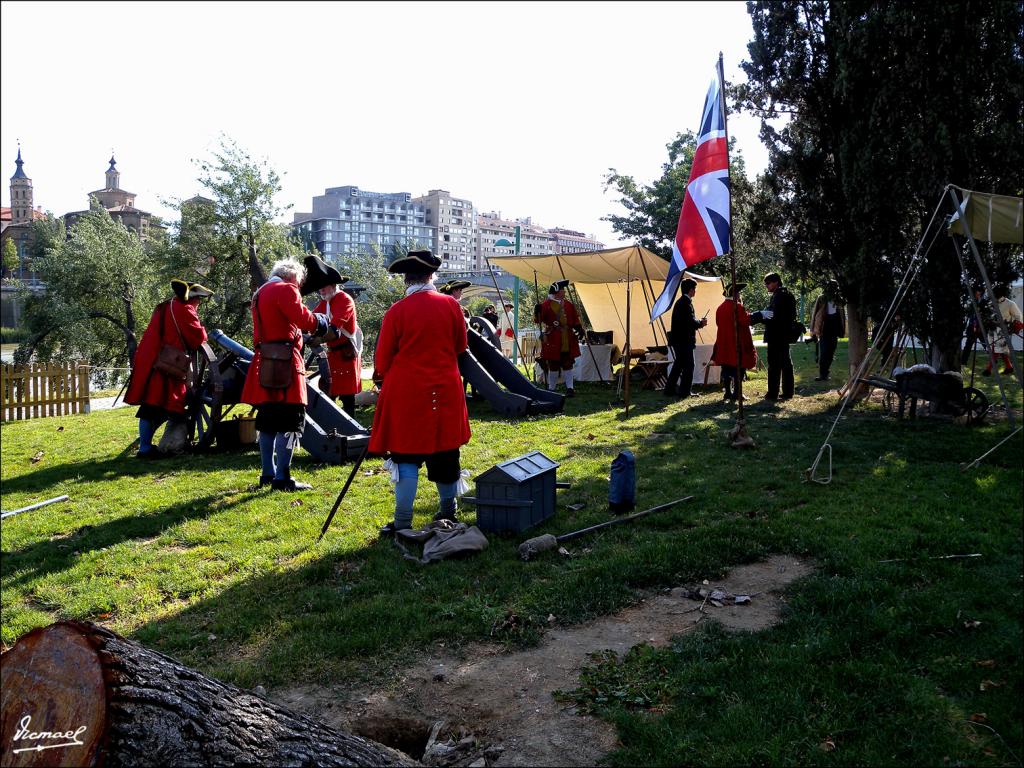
(454, 223)
(349, 220)
(534, 240)
(571, 241)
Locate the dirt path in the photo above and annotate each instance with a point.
(504, 699)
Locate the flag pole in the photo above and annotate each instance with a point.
(738, 434)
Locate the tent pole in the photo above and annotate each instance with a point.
(625, 370)
(981, 327)
(991, 294)
(576, 298)
(651, 287)
(515, 337)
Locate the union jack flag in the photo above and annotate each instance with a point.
(703, 230)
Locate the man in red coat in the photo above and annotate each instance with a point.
(344, 355)
(724, 352)
(421, 412)
(279, 317)
(561, 333)
(161, 396)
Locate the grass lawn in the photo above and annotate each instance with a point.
(875, 662)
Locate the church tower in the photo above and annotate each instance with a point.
(113, 175)
(21, 194)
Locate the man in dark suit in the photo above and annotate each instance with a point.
(684, 339)
(778, 318)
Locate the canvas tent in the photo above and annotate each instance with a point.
(600, 277)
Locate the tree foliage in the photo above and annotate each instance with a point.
(652, 215)
(886, 104)
(382, 289)
(229, 241)
(10, 257)
(98, 298)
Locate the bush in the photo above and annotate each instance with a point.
(12, 335)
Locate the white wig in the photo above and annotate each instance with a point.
(289, 270)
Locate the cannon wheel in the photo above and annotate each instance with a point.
(206, 391)
(976, 405)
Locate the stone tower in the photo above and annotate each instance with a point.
(21, 194)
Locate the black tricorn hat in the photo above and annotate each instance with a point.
(558, 285)
(454, 285)
(320, 274)
(421, 262)
(730, 289)
(185, 291)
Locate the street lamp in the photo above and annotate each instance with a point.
(504, 243)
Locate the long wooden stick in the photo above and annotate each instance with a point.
(337, 503)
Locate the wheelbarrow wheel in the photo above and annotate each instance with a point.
(976, 405)
(204, 399)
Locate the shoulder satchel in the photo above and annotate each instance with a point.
(275, 359)
(172, 362)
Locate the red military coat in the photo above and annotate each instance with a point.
(724, 352)
(556, 340)
(149, 386)
(421, 408)
(278, 314)
(345, 374)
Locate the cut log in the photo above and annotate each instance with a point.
(77, 694)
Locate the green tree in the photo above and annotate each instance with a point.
(99, 284)
(886, 104)
(382, 289)
(243, 192)
(10, 257)
(652, 215)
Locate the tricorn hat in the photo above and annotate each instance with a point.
(730, 289)
(196, 290)
(558, 285)
(421, 262)
(186, 291)
(454, 285)
(320, 274)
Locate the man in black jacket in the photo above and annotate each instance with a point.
(684, 339)
(778, 318)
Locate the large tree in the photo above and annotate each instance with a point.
(100, 288)
(652, 215)
(228, 241)
(886, 104)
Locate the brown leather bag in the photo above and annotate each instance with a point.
(171, 361)
(276, 364)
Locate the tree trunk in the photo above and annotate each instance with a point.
(257, 275)
(77, 694)
(857, 347)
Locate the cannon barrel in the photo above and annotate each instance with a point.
(223, 340)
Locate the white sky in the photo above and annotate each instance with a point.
(519, 107)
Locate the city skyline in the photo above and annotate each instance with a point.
(527, 135)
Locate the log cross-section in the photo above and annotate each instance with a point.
(75, 693)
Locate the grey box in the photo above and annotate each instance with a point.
(516, 494)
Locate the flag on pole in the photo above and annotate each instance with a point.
(703, 230)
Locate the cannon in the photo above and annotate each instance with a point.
(330, 435)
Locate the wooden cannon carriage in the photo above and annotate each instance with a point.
(330, 434)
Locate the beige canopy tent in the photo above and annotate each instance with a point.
(995, 218)
(600, 277)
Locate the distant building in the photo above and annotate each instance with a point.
(491, 228)
(349, 220)
(120, 204)
(16, 222)
(570, 241)
(454, 226)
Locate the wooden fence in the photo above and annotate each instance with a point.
(38, 390)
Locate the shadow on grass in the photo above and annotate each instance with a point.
(58, 554)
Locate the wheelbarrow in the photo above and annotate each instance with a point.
(946, 391)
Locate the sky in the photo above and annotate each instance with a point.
(520, 107)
